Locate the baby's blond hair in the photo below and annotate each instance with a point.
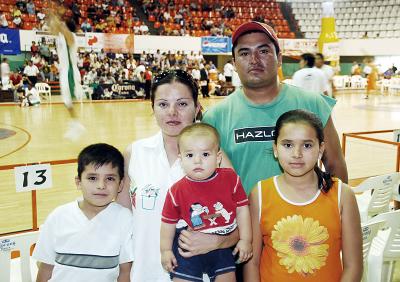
(200, 129)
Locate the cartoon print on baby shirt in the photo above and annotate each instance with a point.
(149, 196)
(196, 210)
(219, 209)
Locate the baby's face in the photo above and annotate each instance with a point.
(199, 155)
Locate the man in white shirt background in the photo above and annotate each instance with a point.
(5, 73)
(31, 71)
(308, 77)
(228, 71)
(327, 70)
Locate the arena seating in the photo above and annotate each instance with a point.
(354, 19)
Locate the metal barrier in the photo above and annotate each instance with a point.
(6, 172)
(357, 136)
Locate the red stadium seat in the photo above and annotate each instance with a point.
(27, 25)
(157, 25)
(152, 18)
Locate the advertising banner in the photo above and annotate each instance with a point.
(9, 41)
(215, 45)
(296, 47)
(117, 43)
(120, 91)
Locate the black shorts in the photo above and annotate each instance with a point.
(214, 263)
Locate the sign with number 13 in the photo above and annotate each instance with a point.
(32, 177)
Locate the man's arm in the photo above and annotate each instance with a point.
(124, 272)
(333, 158)
(197, 243)
(45, 272)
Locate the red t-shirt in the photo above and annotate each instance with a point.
(16, 78)
(209, 205)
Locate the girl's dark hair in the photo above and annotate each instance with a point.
(98, 155)
(181, 76)
(325, 180)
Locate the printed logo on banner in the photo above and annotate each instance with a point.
(213, 44)
(33, 177)
(9, 41)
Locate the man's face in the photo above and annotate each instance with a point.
(318, 61)
(256, 60)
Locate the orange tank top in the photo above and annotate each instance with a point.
(302, 241)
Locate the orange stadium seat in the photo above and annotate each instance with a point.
(157, 25)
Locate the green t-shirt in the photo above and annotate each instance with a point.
(247, 129)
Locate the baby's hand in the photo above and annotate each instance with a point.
(244, 249)
(168, 260)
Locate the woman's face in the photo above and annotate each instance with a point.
(174, 108)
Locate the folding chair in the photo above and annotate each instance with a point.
(385, 248)
(19, 242)
(382, 186)
(44, 88)
(369, 231)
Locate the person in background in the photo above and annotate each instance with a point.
(308, 77)
(327, 70)
(371, 73)
(5, 73)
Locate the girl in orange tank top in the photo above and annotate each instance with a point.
(303, 219)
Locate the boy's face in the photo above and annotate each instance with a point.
(99, 186)
(199, 156)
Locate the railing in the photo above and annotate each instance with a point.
(357, 135)
(34, 205)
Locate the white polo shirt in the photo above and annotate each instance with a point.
(31, 70)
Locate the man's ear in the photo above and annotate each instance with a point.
(275, 150)
(279, 57)
(121, 184)
(77, 183)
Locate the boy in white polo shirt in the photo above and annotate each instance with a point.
(90, 239)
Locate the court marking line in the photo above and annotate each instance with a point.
(23, 145)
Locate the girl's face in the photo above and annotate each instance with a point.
(174, 108)
(298, 149)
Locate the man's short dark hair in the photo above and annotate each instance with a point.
(98, 155)
(320, 55)
(309, 59)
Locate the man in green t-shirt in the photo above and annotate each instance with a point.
(246, 119)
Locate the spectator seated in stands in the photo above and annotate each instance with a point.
(41, 15)
(85, 26)
(18, 22)
(3, 20)
(17, 85)
(34, 48)
(30, 8)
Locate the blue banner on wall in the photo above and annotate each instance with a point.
(215, 45)
(9, 41)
